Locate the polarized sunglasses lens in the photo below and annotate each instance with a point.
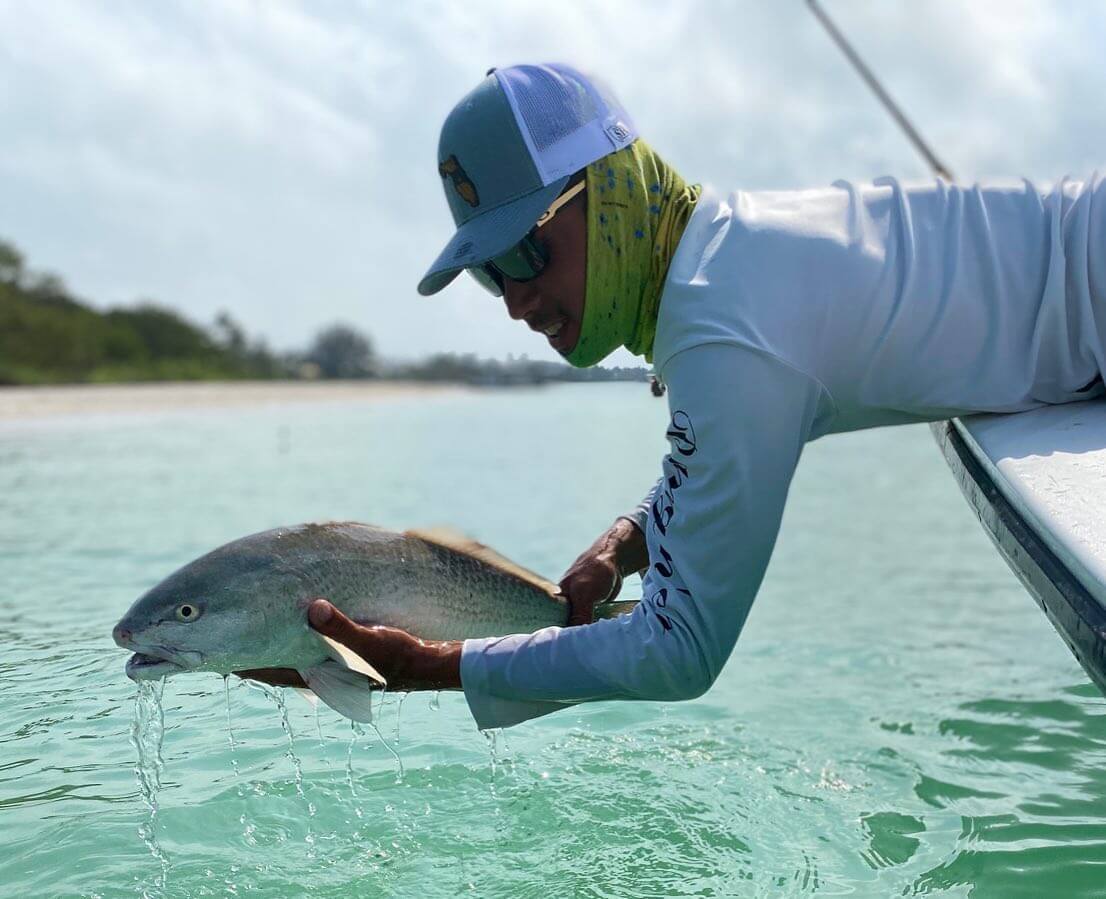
(524, 261)
(486, 277)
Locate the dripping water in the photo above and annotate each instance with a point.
(248, 827)
(399, 708)
(399, 762)
(230, 732)
(147, 736)
(490, 736)
(290, 754)
(322, 739)
(384, 742)
(503, 750)
(286, 725)
(356, 731)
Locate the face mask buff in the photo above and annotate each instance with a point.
(638, 207)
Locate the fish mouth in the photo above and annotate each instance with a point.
(143, 667)
(148, 666)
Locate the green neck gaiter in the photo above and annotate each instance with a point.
(638, 207)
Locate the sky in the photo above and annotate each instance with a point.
(278, 160)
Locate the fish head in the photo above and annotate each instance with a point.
(236, 608)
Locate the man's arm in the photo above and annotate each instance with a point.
(739, 422)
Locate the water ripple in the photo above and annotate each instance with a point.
(863, 740)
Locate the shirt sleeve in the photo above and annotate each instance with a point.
(739, 420)
(640, 515)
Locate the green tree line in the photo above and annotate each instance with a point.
(48, 336)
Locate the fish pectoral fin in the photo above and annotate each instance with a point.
(346, 691)
(343, 655)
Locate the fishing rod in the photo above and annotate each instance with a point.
(938, 167)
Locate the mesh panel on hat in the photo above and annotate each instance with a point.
(567, 120)
(553, 107)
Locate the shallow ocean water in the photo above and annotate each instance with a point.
(898, 718)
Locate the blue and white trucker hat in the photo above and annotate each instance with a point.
(509, 147)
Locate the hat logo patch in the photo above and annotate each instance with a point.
(618, 132)
(452, 169)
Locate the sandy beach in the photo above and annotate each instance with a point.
(21, 403)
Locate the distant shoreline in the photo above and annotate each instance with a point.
(24, 403)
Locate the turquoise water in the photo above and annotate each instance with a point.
(898, 717)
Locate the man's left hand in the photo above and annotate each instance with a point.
(406, 662)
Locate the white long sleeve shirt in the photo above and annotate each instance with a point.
(786, 316)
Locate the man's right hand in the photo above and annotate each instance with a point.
(596, 575)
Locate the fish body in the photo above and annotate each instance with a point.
(244, 605)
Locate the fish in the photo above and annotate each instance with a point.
(244, 605)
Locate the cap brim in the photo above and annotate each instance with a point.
(488, 235)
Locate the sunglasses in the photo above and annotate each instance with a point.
(527, 258)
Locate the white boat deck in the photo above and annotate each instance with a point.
(1050, 465)
(1037, 481)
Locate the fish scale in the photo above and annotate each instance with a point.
(433, 590)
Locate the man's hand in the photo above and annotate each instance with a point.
(596, 575)
(406, 662)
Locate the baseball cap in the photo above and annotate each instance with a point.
(509, 147)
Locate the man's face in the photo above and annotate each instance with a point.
(553, 302)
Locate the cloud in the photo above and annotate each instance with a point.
(278, 159)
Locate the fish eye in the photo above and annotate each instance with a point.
(188, 611)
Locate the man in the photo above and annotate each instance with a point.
(772, 319)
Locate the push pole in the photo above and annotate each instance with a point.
(938, 167)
